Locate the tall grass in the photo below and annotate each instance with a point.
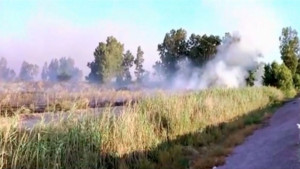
(151, 134)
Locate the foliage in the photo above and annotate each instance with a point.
(127, 63)
(107, 62)
(173, 49)
(6, 74)
(269, 78)
(278, 76)
(289, 48)
(202, 48)
(284, 78)
(296, 81)
(61, 70)
(251, 78)
(28, 71)
(139, 60)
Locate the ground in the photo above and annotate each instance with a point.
(275, 146)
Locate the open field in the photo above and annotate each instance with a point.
(20, 98)
(166, 131)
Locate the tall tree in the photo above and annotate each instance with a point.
(61, 70)
(172, 50)
(28, 71)
(289, 48)
(67, 70)
(202, 48)
(6, 74)
(45, 72)
(139, 60)
(107, 62)
(127, 64)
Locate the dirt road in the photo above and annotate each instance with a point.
(273, 147)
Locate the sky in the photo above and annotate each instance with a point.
(38, 31)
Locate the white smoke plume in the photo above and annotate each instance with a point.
(258, 28)
(229, 68)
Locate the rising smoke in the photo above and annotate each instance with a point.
(229, 68)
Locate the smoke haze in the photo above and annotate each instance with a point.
(46, 37)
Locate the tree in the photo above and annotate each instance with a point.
(289, 48)
(298, 67)
(6, 74)
(67, 70)
(126, 65)
(296, 81)
(202, 48)
(28, 71)
(269, 78)
(53, 70)
(107, 62)
(284, 77)
(61, 70)
(251, 78)
(139, 60)
(173, 49)
(279, 76)
(45, 72)
(158, 70)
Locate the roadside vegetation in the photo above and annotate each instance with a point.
(169, 129)
(196, 129)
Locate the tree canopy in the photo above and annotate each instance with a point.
(61, 70)
(175, 47)
(28, 71)
(107, 64)
(6, 74)
(139, 60)
(289, 48)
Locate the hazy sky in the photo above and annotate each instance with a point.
(37, 31)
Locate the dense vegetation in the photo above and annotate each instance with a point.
(112, 64)
(159, 132)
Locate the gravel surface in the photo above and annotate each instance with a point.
(273, 147)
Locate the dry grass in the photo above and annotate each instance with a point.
(158, 132)
(25, 97)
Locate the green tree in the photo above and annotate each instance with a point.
(127, 63)
(251, 78)
(279, 76)
(28, 71)
(61, 70)
(269, 78)
(284, 77)
(202, 48)
(296, 80)
(289, 48)
(139, 60)
(298, 67)
(107, 62)
(172, 50)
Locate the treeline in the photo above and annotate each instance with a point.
(112, 63)
(58, 70)
(286, 75)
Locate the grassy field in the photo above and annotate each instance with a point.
(196, 130)
(30, 97)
